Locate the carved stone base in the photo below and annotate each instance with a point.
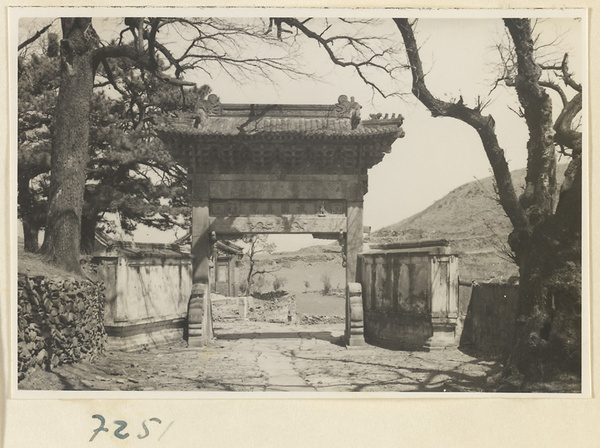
(355, 329)
(200, 330)
(443, 335)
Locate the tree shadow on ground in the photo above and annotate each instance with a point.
(68, 384)
(491, 353)
(409, 379)
(320, 335)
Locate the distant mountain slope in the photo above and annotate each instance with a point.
(475, 223)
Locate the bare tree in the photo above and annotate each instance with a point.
(366, 55)
(546, 237)
(258, 244)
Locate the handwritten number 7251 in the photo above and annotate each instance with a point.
(120, 433)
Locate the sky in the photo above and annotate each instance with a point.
(437, 154)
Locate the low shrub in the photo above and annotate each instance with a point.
(279, 283)
(271, 295)
(326, 279)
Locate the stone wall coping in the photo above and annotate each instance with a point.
(432, 247)
(145, 321)
(432, 251)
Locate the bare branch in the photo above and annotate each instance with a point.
(567, 77)
(327, 43)
(565, 132)
(484, 125)
(537, 107)
(110, 77)
(118, 51)
(141, 60)
(557, 89)
(519, 113)
(35, 37)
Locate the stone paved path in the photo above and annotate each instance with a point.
(270, 357)
(281, 375)
(275, 347)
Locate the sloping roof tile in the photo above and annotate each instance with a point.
(281, 121)
(286, 126)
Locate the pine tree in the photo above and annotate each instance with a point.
(137, 66)
(130, 174)
(37, 89)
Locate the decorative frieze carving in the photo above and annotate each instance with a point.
(265, 225)
(233, 208)
(291, 157)
(241, 225)
(337, 208)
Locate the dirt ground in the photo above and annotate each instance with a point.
(270, 356)
(284, 344)
(291, 343)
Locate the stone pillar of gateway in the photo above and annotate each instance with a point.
(258, 168)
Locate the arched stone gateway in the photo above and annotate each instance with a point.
(257, 168)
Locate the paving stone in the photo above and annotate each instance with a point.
(271, 357)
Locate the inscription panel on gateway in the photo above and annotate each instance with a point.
(233, 208)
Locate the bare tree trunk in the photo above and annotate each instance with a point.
(88, 233)
(31, 228)
(251, 255)
(548, 332)
(548, 251)
(70, 145)
(547, 245)
(31, 233)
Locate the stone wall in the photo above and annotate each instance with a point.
(410, 296)
(146, 298)
(489, 312)
(59, 321)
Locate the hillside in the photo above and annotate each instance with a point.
(475, 223)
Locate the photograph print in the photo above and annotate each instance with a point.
(213, 203)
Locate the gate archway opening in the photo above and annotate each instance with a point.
(277, 169)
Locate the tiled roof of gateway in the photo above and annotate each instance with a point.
(112, 247)
(213, 119)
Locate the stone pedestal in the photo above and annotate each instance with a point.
(200, 331)
(410, 295)
(444, 334)
(200, 328)
(355, 328)
(354, 303)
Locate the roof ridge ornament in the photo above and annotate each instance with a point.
(211, 105)
(379, 119)
(348, 108)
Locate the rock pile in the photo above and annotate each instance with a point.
(279, 308)
(59, 321)
(275, 306)
(314, 320)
